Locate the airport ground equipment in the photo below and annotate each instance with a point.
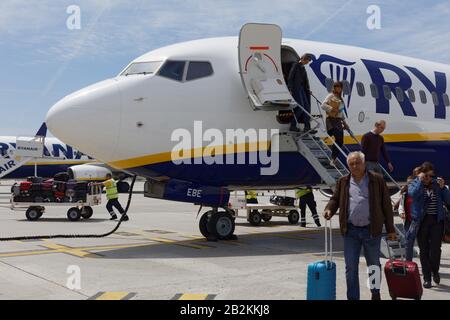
(78, 236)
(76, 211)
(257, 213)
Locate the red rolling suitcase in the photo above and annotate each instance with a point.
(403, 278)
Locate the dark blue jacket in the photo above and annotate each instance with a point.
(416, 190)
(298, 78)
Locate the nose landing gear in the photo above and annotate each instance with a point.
(218, 225)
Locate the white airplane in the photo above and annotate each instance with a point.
(58, 157)
(132, 122)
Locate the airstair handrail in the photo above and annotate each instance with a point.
(350, 132)
(318, 126)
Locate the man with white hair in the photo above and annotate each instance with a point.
(364, 204)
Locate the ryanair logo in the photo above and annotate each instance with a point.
(329, 67)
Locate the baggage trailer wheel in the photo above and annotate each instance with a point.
(293, 217)
(266, 215)
(221, 225)
(33, 213)
(74, 214)
(254, 218)
(87, 212)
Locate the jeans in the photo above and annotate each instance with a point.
(114, 203)
(410, 238)
(355, 239)
(430, 240)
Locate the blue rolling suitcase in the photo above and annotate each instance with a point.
(322, 274)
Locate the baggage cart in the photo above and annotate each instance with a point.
(77, 209)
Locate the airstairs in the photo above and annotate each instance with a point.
(319, 155)
(27, 149)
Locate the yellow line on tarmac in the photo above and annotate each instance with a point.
(291, 237)
(25, 253)
(193, 296)
(78, 252)
(113, 296)
(180, 243)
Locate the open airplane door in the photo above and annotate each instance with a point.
(260, 66)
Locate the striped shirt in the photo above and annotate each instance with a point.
(430, 196)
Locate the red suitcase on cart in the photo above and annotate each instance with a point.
(25, 186)
(403, 278)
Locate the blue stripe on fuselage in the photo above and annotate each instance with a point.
(295, 170)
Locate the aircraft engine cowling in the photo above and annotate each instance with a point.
(88, 172)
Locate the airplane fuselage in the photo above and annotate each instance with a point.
(59, 157)
(129, 121)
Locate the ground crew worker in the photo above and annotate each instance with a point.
(112, 195)
(306, 197)
(251, 197)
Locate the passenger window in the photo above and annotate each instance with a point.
(387, 92)
(446, 100)
(411, 95)
(435, 98)
(400, 94)
(346, 88)
(199, 70)
(329, 84)
(423, 96)
(361, 89)
(173, 70)
(374, 91)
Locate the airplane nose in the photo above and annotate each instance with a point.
(89, 120)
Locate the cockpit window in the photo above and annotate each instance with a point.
(142, 68)
(198, 70)
(173, 70)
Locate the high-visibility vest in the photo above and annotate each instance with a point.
(251, 195)
(111, 189)
(302, 192)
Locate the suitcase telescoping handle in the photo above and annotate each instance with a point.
(328, 249)
(391, 257)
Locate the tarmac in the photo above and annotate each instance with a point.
(160, 255)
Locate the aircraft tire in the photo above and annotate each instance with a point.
(203, 225)
(221, 225)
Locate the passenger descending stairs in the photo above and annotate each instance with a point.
(318, 154)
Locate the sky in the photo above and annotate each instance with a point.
(42, 60)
